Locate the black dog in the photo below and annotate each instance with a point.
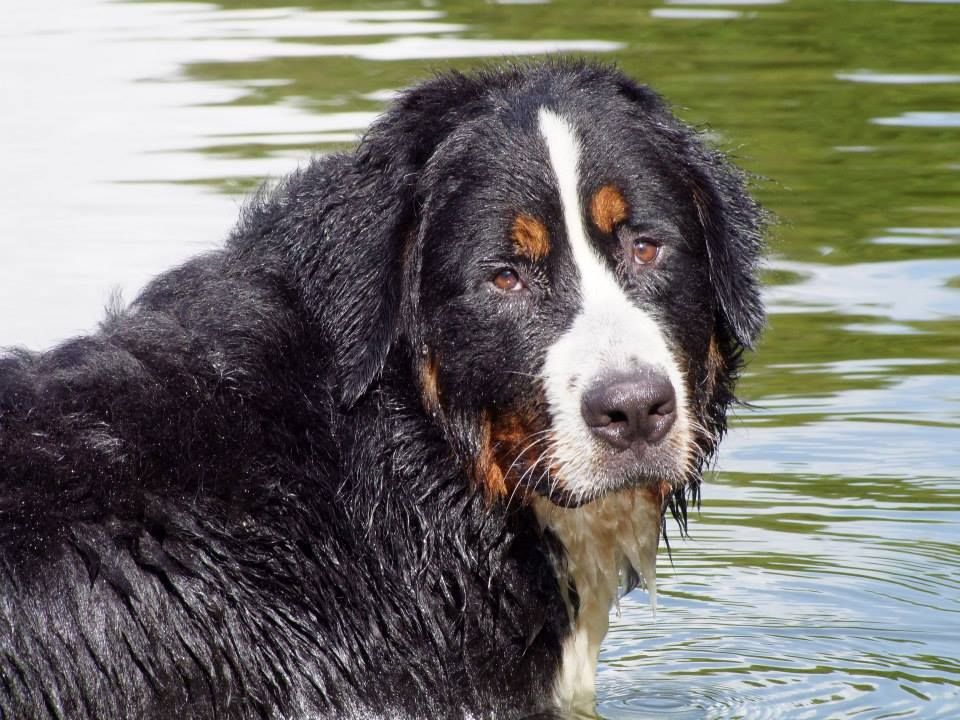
(392, 449)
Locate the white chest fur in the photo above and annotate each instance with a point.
(602, 540)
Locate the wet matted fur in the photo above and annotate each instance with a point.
(351, 464)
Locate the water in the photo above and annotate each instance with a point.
(822, 578)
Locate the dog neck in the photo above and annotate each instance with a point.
(606, 542)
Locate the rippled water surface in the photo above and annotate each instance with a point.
(822, 577)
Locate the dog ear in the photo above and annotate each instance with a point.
(376, 210)
(732, 223)
(731, 220)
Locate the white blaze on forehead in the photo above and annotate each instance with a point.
(613, 318)
(564, 151)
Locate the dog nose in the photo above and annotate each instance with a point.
(627, 409)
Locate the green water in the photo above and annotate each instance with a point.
(822, 577)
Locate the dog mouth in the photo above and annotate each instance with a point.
(561, 497)
(557, 492)
(571, 480)
(535, 458)
(626, 431)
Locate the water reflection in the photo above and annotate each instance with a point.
(732, 3)
(942, 119)
(694, 14)
(903, 291)
(868, 76)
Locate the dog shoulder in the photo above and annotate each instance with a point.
(178, 388)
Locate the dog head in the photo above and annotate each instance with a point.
(569, 272)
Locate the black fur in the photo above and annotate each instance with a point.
(235, 501)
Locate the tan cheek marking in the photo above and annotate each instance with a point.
(715, 365)
(488, 472)
(507, 453)
(508, 431)
(658, 493)
(608, 208)
(530, 237)
(429, 383)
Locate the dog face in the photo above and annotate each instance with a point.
(571, 281)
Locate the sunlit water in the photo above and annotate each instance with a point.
(822, 577)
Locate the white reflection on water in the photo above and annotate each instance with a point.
(410, 48)
(694, 14)
(907, 290)
(921, 120)
(919, 237)
(725, 2)
(846, 447)
(294, 22)
(912, 240)
(869, 76)
(886, 431)
(945, 231)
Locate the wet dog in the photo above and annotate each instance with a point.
(394, 449)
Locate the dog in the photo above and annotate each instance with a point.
(395, 449)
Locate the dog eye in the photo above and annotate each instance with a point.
(508, 280)
(645, 251)
(639, 247)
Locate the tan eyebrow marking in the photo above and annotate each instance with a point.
(530, 237)
(607, 208)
